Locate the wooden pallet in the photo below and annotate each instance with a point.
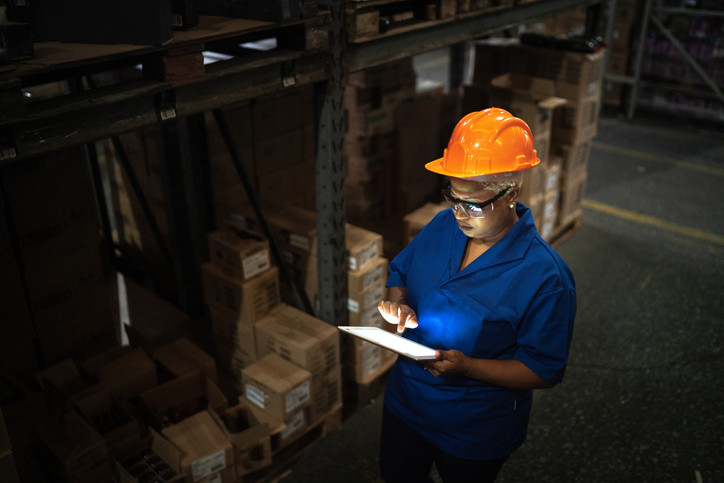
(374, 19)
(566, 229)
(64, 79)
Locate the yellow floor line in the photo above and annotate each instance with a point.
(651, 157)
(654, 222)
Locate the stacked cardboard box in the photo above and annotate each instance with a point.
(283, 390)
(371, 98)
(240, 287)
(533, 100)
(577, 77)
(51, 214)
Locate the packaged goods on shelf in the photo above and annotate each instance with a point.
(235, 342)
(238, 252)
(157, 457)
(246, 301)
(114, 422)
(128, 375)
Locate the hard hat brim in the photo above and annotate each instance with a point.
(437, 166)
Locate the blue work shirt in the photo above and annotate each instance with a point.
(515, 301)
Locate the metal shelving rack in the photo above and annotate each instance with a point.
(650, 17)
(91, 116)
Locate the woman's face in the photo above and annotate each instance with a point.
(498, 215)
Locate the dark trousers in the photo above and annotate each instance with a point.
(407, 457)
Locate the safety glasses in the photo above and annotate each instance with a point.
(470, 208)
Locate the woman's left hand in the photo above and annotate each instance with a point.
(448, 363)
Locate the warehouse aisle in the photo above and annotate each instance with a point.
(642, 397)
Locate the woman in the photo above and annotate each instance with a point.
(479, 284)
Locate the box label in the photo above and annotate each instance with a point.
(292, 424)
(256, 263)
(256, 395)
(296, 397)
(299, 241)
(364, 256)
(209, 465)
(353, 306)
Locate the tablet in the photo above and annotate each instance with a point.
(391, 341)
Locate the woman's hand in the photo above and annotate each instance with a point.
(398, 313)
(448, 363)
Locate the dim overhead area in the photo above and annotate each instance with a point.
(351, 241)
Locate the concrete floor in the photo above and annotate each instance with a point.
(643, 398)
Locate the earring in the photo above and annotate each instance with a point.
(511, 206)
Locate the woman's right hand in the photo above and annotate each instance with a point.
(398, 313)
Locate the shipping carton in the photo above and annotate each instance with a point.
(248, 300)
(63, 385)
(78, 453)
(183, 356)
(299, 338)
(375, 271)
(129, 375)
(154, 457)
(113, 421)
(206, 449)
(368, 299)
(250, 435)
(235, 342)
(173, 401)
(276, 385)
(239, 253)
(364, 362)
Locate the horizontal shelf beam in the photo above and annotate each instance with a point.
(396, 47)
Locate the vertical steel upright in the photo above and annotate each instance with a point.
(329, 181)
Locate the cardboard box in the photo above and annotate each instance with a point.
(155, 457)
(576, 122)
(129, 375)
(362, 246)
(575, 158)
(572, 195)
(206, 449)
(239, 253)
(276, 385)
(530, 98)
(183, 356)
(368, 317)
(364, 361)
(235, 343)
(114, 422)
(173, 401)
(63, 385)
(326, 393)
(247, 301)
(366, 300)
(78, 452)
(250, 435)
(414, 221)
(299, 338)
(375, 271)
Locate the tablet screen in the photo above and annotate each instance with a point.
(391, 341)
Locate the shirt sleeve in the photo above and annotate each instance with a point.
(544, 337)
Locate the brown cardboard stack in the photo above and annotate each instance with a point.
(207, 452)
(240, 287)
(577, 78)
(51, 213)
(310, 344)
(183, 356)
(371, 98)
(77, 452)
(533, 100)
(296, 233)
(624, 19)
(283, 390)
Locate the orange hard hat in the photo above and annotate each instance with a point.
(487, 142)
